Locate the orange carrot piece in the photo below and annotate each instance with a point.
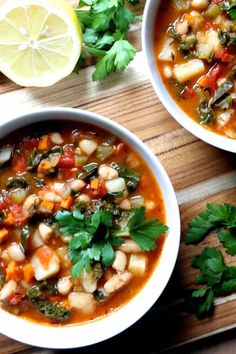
(9, 220)
(4, 234)
(67, 203)
(28, 273)
(47, 205)
(44, 166)
(44, 143)
(94, 183)
(13, 272)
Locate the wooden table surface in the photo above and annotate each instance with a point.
(199, 172)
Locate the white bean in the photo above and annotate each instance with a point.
(117, 281)
(83, 198)
(30, 203)
(200, 4)
(107, 172)
(82, 301)
(45, 231)
(129, 246)
(64, 285)
(8, 290)
(125, 204)
(120, 261)
(56, 138)
(87, 281)
(16, 252)
(77, 185)
(115, 185)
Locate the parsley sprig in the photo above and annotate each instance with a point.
(215, 278)
(229, 7)
(95, 236)
(105, 25)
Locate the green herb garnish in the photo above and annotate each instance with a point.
(94, 236)
(105, 25)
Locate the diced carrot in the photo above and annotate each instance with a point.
(19, 164)
(47, 205)
(120, 149)
(9, 220)
(3, 235)
(13, 272)
(57, 206)
(44, 254)
(94, 183)
(67, 203)
(44, 166)
(28, 273)
(44, 143)
(203, 81)
(189, 18)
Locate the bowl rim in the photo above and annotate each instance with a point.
(214, 139)
(75, 336)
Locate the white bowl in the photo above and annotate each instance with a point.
(108, 326)
(149, 17)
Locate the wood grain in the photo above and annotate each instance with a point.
(199, 172)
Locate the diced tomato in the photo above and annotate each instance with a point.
(224, 55)
(97, 193)
(68, 159)
(3, 205)
(17, 213)
(189, 92)
(28, 144)
(217, 1)
(18, 296)
(19, 163)
(214, 75)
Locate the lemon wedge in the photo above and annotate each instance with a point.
(40, 41)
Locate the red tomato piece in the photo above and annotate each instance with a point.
(68, 159)
(214, 75)
(19, 163)
(97, 193)
(17, 212)
(3, 205)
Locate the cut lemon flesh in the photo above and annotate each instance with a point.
(40, 41)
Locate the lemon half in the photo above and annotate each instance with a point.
(40, 41)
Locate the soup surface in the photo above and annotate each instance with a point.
(195, 50)
(75, 243)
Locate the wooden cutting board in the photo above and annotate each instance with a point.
(200, 173)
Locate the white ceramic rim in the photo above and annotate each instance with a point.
(96, 331)
(180, 116)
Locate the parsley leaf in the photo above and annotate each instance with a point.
(228, 240)
(105, 25)
(200, 301)
(118, 57)
(214, 217)
(143, 232)
(94, 236)
(211, 264)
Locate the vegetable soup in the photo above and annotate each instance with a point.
(195, 50)
(81, 223)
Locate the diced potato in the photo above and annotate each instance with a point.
(45, 231)
(168, 52)
(82, 301)
(49, 196)
(208, 44)
(137, 264)
(225, 116)
(182, 27)
(115, 185)
(88, 282)
(88, 146)
(107, 172)
(150, 205)
(45, 263)
(186, 71)
(167, 71)
(8, 290)
(64, 285)
(129, 246)
(117, 281)
(120, 261)
(83, 198)
(16, 252)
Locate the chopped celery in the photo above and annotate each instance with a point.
(80, 160)
(104, 151)
(213, 11)
(18, 195)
